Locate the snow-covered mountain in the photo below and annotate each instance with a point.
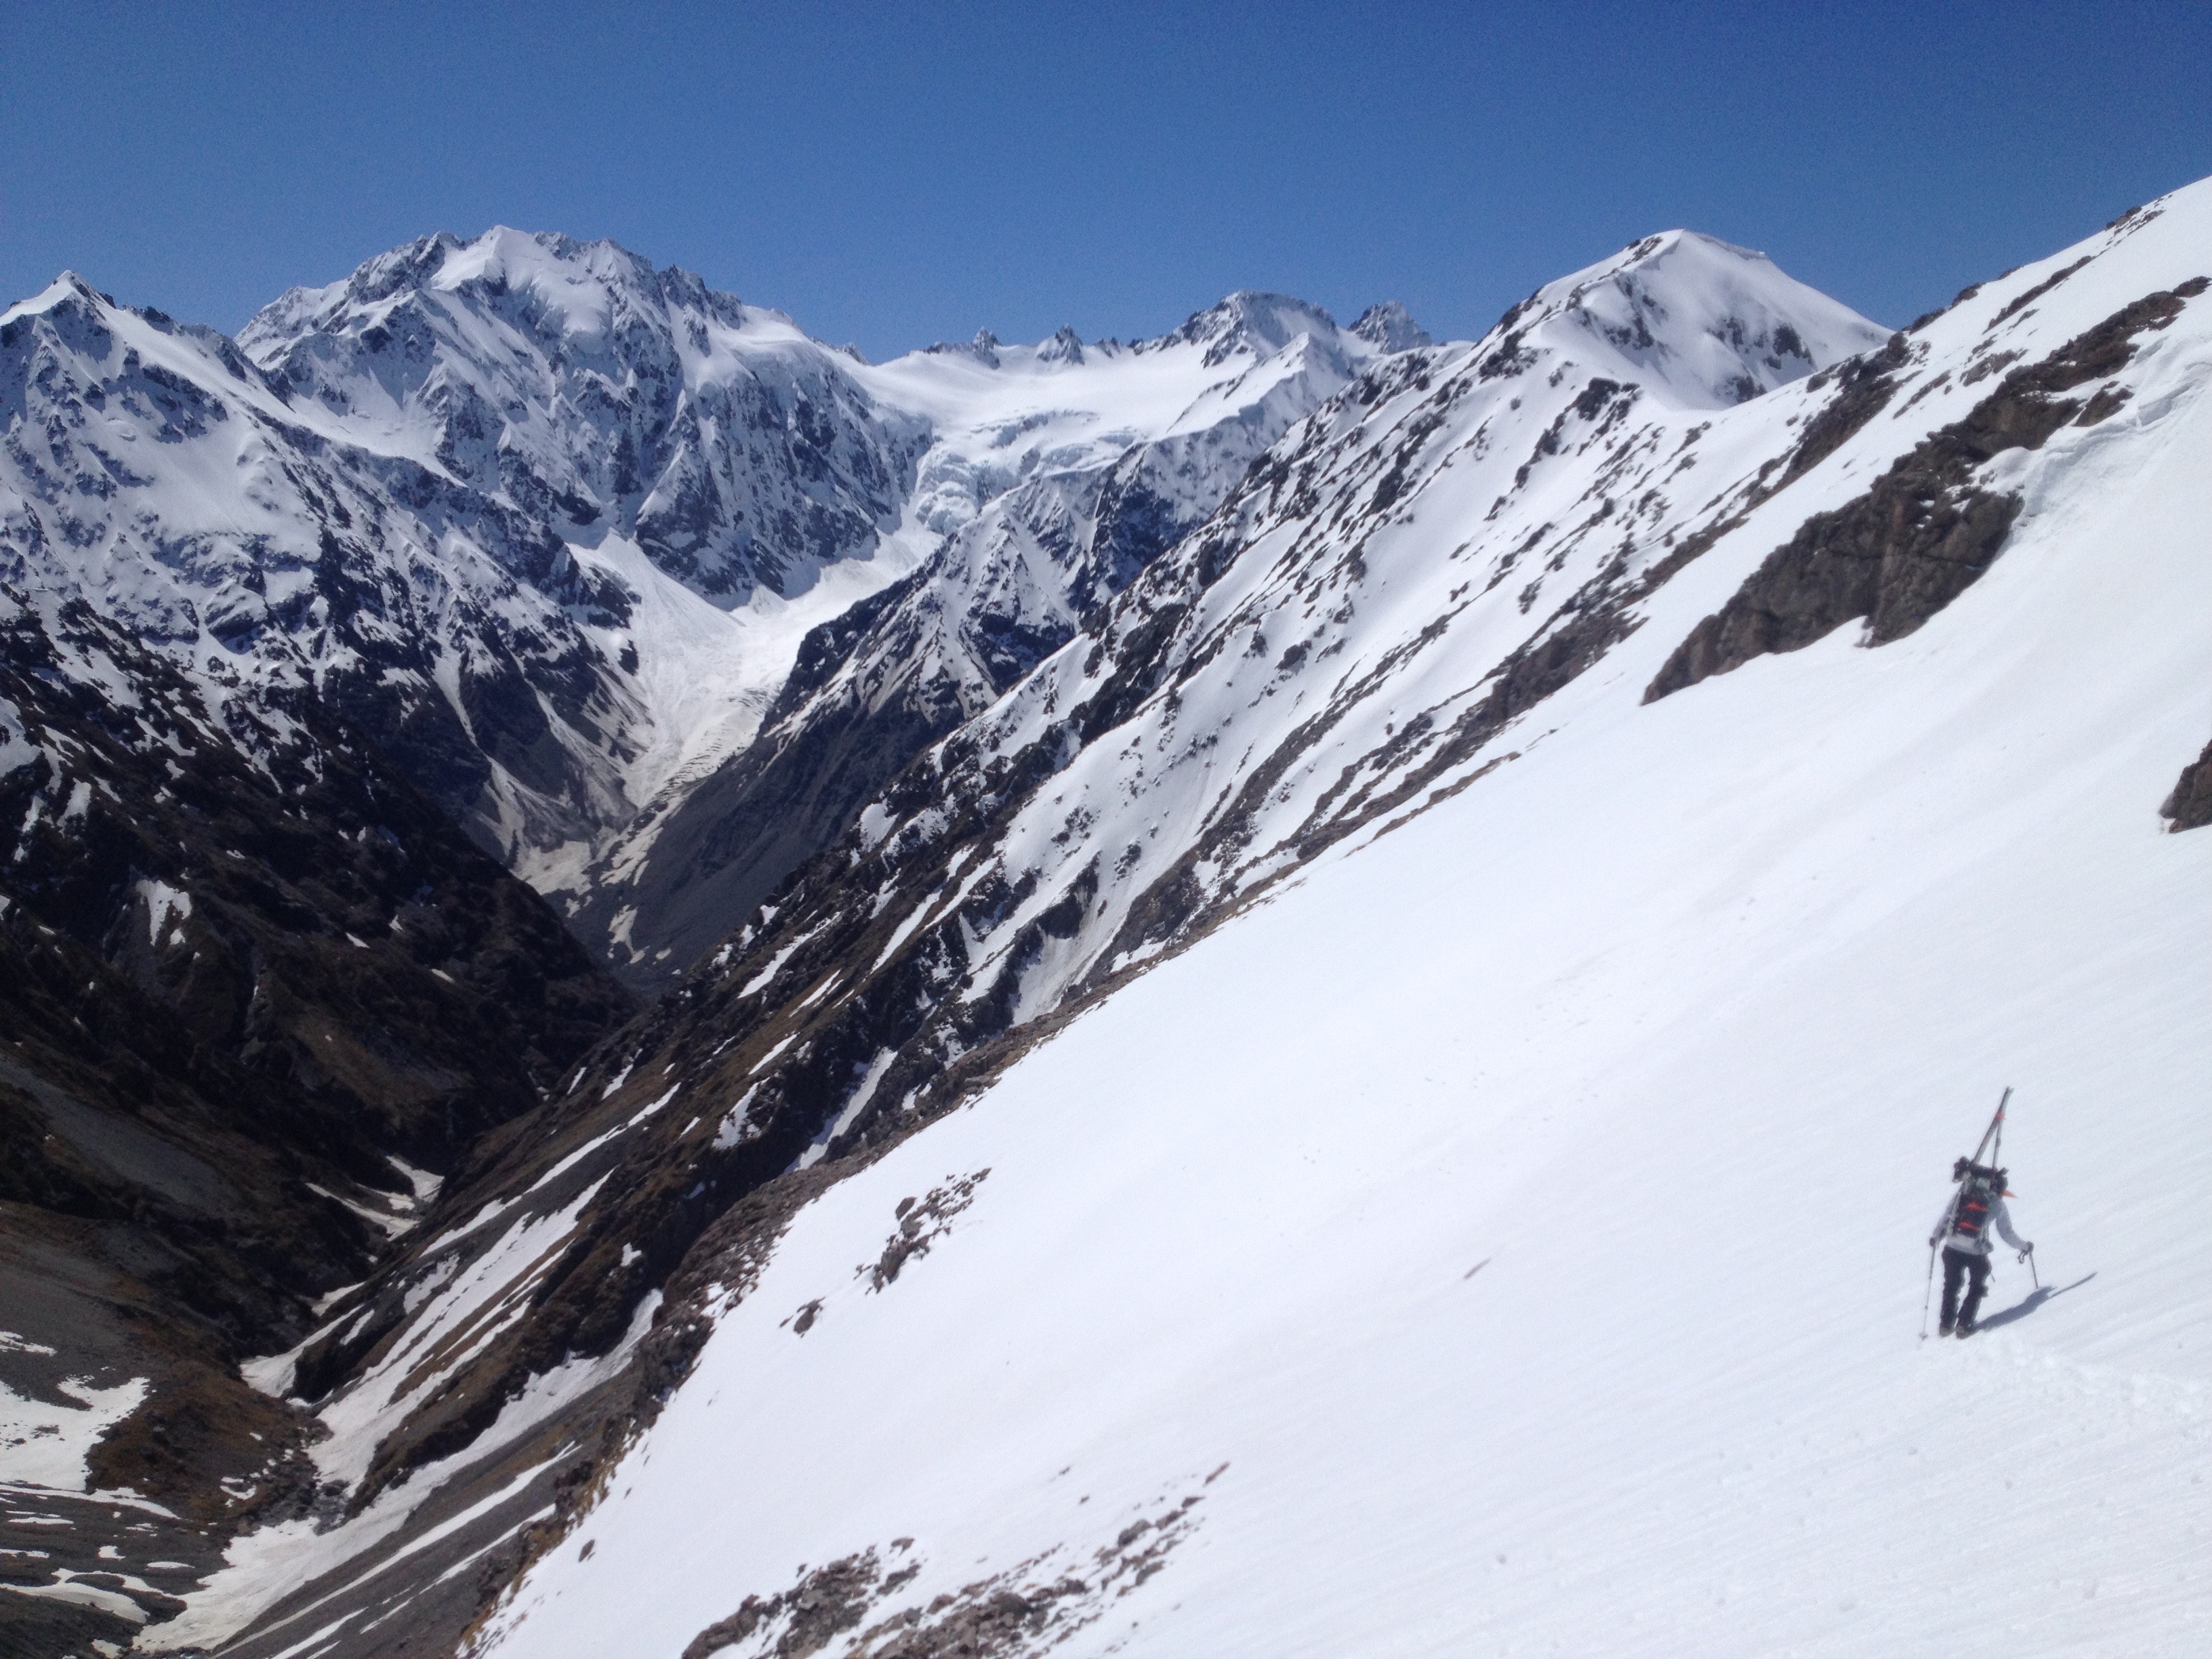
(1370, 1076)
(551, 525)
(1057, 473)
(576, 381)
(395, 518)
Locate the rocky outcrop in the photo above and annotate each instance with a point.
(2190, 805)
(1925, 531)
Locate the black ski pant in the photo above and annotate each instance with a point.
(1957, 1264)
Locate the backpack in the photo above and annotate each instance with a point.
(1979, 1189)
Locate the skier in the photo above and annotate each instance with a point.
(1963, 1230)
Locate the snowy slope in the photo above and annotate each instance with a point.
(1512, 1238)
(1681, 981)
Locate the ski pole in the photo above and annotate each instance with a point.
(1927, 1294)
(2028, 1256)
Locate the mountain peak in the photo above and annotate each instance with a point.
(1712, 323)
(984, 348)
(1064, 347)
(1390, 327)
(65, 287)
(1252, 320)
(565, 287)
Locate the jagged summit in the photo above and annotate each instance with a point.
(1391, 328)
(1249, 320)
(984, 349)
(572, 289)
(66, 285)
(1065, 347)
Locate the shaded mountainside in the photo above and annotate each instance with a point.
(256, 994)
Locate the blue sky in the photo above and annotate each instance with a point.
(896, 174)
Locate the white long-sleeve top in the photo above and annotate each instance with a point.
(2000, 1221)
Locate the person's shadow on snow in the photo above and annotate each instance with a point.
(2033, 1300)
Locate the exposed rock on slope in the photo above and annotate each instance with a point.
(874, 688)
(1925, 531)
(255, 993)
(2190, 805)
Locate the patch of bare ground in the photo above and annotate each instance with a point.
(922, 1222)
(1029, 1607)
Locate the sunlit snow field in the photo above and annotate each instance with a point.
(1530, 1210)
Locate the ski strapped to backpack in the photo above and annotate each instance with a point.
(1980, 1185)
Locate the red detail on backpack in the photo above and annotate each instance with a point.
(1972, 1214)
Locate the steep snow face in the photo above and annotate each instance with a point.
(1512, 1238)
(583, 385)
